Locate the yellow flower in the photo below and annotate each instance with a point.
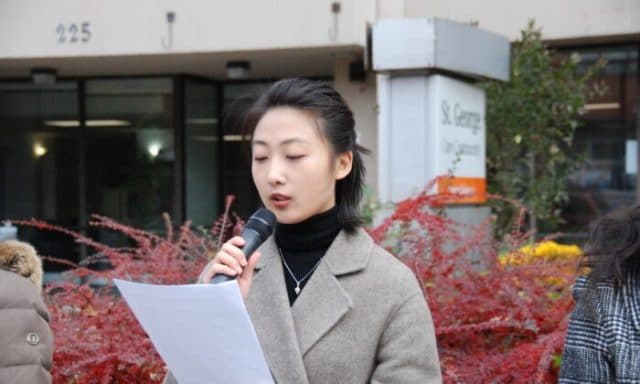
(543, 251)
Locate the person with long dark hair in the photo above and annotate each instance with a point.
(328, 304)
(603, 340)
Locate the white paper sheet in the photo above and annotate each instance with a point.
(202, 332)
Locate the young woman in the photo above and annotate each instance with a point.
(603, 341)
(328, 305)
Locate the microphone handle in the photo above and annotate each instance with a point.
(252, 241)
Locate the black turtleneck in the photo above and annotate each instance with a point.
(303, 245)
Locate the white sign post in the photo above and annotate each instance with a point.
(431, 121)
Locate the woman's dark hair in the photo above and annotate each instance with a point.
(336, 124)
(614, 246)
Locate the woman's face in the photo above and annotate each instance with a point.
(293, 166)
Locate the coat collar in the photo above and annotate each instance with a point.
(287, 333)
(340, 258)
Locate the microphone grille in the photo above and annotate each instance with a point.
(262, 221)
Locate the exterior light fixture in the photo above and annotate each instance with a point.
(43, 76)
(238, 69)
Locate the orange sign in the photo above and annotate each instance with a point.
(463, 190)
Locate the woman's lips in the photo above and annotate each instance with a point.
(279, 200)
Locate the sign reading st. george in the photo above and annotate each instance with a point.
(461, 118)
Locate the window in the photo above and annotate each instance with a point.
(607, 139)
(146, 146)
(39, 161)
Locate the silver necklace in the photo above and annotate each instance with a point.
(297, 288)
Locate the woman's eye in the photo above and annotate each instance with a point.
(294, 157)
(259, 158)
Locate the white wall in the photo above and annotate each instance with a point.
(559, 19)
(125, 27)
(361, 97)
(129, 27)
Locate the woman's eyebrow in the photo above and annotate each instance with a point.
(282, 144)
(258, 142)
(295, 140)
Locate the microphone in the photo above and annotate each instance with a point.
(258, 228)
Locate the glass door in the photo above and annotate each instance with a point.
(202, 152)
(130, 151)
(39, 162)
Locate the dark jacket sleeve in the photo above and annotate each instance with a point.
(586, 355)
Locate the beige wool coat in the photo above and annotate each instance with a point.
(361, 318)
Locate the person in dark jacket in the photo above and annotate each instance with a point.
(26, 342)
(603, 340)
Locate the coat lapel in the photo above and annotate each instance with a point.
(268, 306)
(286, 334)
(323, 302)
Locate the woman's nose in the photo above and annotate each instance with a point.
(274, 173)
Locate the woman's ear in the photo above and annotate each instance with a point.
(344, 163)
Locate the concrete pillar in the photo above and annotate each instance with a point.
(431, 121)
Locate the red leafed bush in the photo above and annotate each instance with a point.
(494, 324)
(97, 338)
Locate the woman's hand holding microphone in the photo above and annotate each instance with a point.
(231, 260)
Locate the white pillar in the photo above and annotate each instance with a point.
(431, 117)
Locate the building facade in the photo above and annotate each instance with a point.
(129, 109)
